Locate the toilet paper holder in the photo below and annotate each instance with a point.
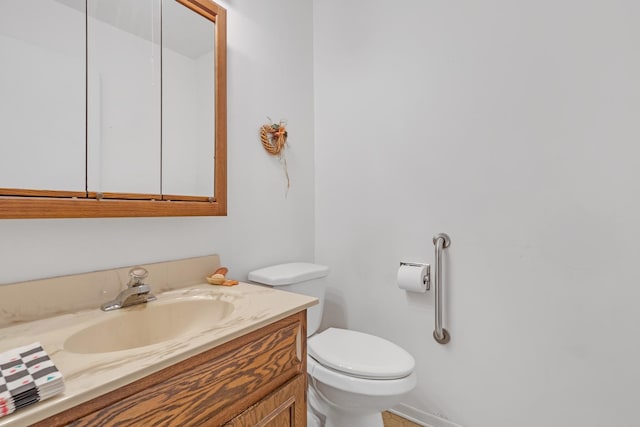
(426, 279)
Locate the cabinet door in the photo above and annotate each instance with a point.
(123, 97)
(42, 96)
(285, 407)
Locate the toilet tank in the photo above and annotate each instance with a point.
(301, 278)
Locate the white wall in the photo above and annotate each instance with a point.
(512, 126)
(270, 74)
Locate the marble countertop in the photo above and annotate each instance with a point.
(88, 376)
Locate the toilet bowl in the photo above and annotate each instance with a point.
(356, 376)
(312, 419)
(353, 376)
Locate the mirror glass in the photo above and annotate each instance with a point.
(188, 110)
(42, 95)
(123, 96)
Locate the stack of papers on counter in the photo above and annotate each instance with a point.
(27, 376)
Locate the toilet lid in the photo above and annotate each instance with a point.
(360, 355)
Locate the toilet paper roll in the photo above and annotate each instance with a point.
(411, 277)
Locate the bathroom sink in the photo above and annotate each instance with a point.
(148, 324)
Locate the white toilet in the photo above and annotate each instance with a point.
(353, 376)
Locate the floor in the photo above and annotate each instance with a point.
(392, 420)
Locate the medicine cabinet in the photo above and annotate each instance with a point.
(112, 108)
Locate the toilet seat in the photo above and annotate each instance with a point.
(356, 385)
(360, 355)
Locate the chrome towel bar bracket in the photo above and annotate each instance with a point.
(441, 242)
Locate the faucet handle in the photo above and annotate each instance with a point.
(137, 275)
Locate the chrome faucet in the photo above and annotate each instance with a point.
(136, 293)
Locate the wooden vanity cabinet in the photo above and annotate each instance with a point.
(258, 379)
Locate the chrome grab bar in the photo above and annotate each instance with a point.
(441, 241)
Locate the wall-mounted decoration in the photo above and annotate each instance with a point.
(274, 140)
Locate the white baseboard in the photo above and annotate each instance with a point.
(422, 418)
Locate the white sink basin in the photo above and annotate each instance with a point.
(148, 324)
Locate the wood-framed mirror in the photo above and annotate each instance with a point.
(73, 146)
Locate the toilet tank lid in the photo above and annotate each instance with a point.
(287, 274)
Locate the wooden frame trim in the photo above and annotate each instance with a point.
(42, 207)
(207, 8)
(40, 193)
(177, 197)
(126, 196)
(31, 204)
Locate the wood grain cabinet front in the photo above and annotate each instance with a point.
(285, 407)
(258, 379)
